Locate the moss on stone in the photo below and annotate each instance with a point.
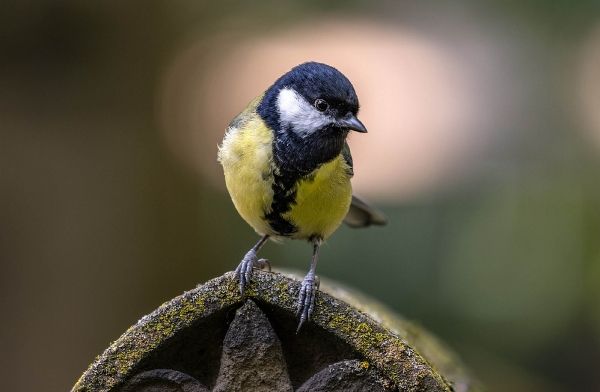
(378, 346)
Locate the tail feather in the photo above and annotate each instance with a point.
(363, 214)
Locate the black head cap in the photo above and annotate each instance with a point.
(312, 81)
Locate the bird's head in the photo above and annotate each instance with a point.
(312, 99)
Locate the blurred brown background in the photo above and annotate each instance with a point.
(483, 149)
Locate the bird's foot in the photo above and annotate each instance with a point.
(244, 270)
(306, 298)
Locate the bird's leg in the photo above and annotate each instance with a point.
(306, 298)
(244, 270)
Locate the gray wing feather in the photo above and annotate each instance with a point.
(348, 158)
(363, 214)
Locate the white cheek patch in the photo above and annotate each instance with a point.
(299, 115)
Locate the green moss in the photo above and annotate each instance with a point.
(377, 345)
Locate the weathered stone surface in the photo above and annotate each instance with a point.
(346, 376)
(163, 380)
(442, 358)
(187, 334)
(252, 359)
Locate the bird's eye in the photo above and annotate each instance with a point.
(321, 105)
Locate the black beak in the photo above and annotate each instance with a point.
(351, 122)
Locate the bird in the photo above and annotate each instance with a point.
(287, 167)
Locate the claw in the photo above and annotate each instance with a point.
(306, 299)
(245, 268)
(248, 271)
(262, 263)
(238, 274)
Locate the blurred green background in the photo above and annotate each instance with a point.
(104, 214)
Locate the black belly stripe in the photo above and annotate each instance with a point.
(284, 196)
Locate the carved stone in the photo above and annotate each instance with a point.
(209, 340)
(252, 359)
(345, 376)
(163, 380)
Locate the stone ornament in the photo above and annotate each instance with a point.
(208, 339)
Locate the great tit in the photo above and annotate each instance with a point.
(288, 167)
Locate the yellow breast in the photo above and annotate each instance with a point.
(322, 201)
(246, 156)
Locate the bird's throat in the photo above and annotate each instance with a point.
(302, 155)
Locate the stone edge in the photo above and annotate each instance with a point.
(405, 367)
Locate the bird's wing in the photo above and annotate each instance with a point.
(363, 214)
(241, 119)
(348, 158)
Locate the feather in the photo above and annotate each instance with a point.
(363, 214)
